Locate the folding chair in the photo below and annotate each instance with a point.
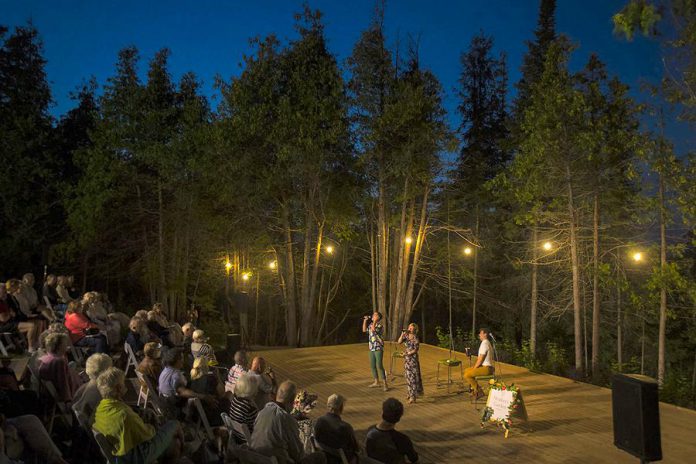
(233, 426)
(202, 421)
(131, 360)
(8, 342)
(335, 452)
(59, 405)
(106, 448)
(148, 394)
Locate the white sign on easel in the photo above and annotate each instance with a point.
(499, 401)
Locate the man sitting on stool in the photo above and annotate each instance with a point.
(483, 366)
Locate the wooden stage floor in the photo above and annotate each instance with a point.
(569, 422)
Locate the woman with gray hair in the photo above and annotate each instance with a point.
(87, 397)
(136, 442)
(242, 407)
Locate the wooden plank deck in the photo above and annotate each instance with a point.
(570, 422)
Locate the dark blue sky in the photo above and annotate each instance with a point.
(82, 37)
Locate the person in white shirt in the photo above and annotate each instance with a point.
(483, 366)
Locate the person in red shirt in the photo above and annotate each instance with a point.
(84, 332)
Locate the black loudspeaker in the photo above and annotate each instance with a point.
(636, 411)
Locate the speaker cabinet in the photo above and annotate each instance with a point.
(636, 414)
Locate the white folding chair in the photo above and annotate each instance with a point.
(202, 421)
(58, 404)
(131, 360)
(8, 342)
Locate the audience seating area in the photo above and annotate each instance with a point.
(74, 361)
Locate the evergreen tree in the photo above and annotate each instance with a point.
(31, 194)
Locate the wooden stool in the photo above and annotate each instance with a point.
(450, 363)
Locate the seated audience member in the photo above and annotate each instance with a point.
(151, 365)
(276, 432)
(135, 337)
(9, 322)
(156, 329)
(265, 379)
(200, 347)
(384, 443)
(157, 314)
(29, 292)
(173, 386)
(49, 290)
(203, 381)
(236, 371)
(332, 431)
(84, 332)
(20, 305)
(54, 327)
(87, 397)
(53, 366)
(133, 440)
(62, 290)
(206, 383)
(242, 406)
(25, 439)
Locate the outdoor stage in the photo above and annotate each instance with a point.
(570, 422)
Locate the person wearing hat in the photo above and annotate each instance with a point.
(151, 365)
(200, 347)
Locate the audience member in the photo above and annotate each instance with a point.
(332, 431)
(135, 337)
(87, 397)
(133, 440)
(384, 443)
(200, 347)
(9, 322)
(173, 386)
(242, 407)
(62, 290)
(84, 332)
(276, 432)
(53, 366)
(240, 367)
(25, 437)
(49, 290)
(206, 383)
(266, 380)
(151, 365)
(162, 332)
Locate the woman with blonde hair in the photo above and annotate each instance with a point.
(409, 338)
(54, 367)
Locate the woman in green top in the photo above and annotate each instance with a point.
(374, 329)
(133, 440)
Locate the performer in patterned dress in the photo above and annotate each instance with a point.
(374, 329)
(409, 338)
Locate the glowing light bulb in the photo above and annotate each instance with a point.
(547, 246)
(272, 265)
(329, 249)
(468, 251)
(228, 266)
(408, 240)
(637, 256)
(246, 276)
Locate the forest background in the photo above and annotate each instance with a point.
(560, 215)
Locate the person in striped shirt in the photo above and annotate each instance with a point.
(242, 407)
(240, 367)
(200, 347)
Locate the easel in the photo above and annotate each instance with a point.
(503, 411)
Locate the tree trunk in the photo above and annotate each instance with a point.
(575, 265)
(289, 271)
(475, 289)
(534, 294)
(595, 288)
(663, 289)
(162, 297)
(420, 240)
(305, 304)
(313, 337)
(382, 246)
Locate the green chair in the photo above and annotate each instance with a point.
(450, 363)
